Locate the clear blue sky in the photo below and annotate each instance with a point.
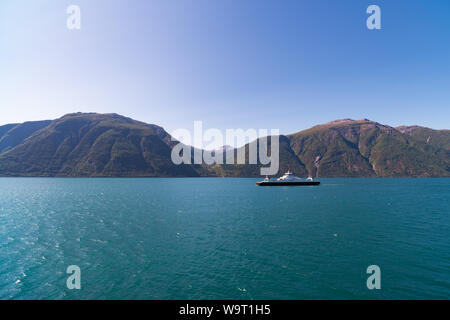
(231, 63)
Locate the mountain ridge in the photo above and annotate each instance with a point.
(111, 145)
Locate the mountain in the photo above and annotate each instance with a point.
(103, 145)
(288, 161)
(91, 145)
(359, 148)
(367, 148)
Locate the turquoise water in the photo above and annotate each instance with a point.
(214, 238)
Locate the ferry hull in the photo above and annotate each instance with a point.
(291, 183)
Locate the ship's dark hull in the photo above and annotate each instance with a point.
(291, 183)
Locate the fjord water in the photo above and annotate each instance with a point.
(214, 238)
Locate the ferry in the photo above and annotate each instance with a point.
(288, 179)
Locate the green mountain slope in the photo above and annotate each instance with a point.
(94, 145)
(437, 138)
(365, 148)
(15, 134)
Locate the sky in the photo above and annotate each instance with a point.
(262, 64)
